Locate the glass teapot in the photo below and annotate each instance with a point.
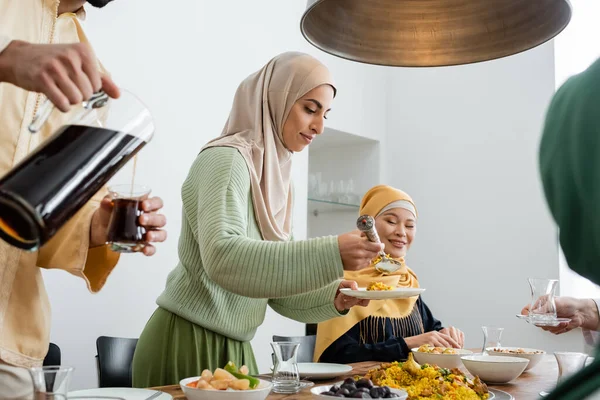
(43, 191)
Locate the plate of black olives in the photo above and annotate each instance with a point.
(358, 389)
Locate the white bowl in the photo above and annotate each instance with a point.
(264, 388)
(441, 360)
(534, 359)
(316, 392)
(495, 369)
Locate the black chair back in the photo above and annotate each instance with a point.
(307, 345)
(53, 356)
(115, 356)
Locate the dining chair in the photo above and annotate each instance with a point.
(307, 346)
(113, 361)
(53, 355)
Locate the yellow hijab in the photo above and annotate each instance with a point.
(376, 201)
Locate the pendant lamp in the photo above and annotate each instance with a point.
(430, 33)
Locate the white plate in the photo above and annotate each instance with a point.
(499, 395)
(494, 393)
(316, 391)
(322, 370)
(399, 293)
(125, 393)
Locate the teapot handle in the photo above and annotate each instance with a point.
(98, 99)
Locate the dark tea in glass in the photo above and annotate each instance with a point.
(125, 234)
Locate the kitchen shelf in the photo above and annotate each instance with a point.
(317, 207)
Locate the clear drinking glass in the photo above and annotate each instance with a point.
(125, 234)
(542, 310)
(491, 337)
(286, 378)
(569, 363)
(51, 383)
(313, 186)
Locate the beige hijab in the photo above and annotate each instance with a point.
(260, 108)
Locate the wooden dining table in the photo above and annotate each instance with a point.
(542, 377)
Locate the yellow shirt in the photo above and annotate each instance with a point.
(24, 306)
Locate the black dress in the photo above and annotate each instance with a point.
(381, 339)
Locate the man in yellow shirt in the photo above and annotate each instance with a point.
(43, 50)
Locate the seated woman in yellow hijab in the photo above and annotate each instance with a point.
(386, 330)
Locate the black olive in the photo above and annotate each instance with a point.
(349, 381)
(377, 392)
(350, 386)
(361, 395)
(334, 388)
(343, 391)
(364, 382)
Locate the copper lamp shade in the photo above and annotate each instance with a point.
(429, 33)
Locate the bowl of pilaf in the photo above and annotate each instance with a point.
(533, 355)
(428, 382)
(444, 357)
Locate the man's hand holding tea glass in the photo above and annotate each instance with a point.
(150, 220)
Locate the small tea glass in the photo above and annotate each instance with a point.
(125, 234)
(286, 377)
(569, 363)
(542, 310)
(51, 382)
(491, 337)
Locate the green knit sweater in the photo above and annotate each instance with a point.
(227, 274)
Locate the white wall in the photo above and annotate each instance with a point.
(185, 62)
(463, 141)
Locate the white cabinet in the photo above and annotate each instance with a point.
(342, 167)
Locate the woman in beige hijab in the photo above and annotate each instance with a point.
(235, 249)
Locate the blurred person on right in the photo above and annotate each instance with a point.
(570, 172)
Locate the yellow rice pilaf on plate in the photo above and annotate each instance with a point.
(426, 382)
(378, 286)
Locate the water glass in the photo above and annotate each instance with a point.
(51, 382)
(313, 186)
(542, 310)
(569, 363)
(286, 378)
(323, 191)
(491, 337)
